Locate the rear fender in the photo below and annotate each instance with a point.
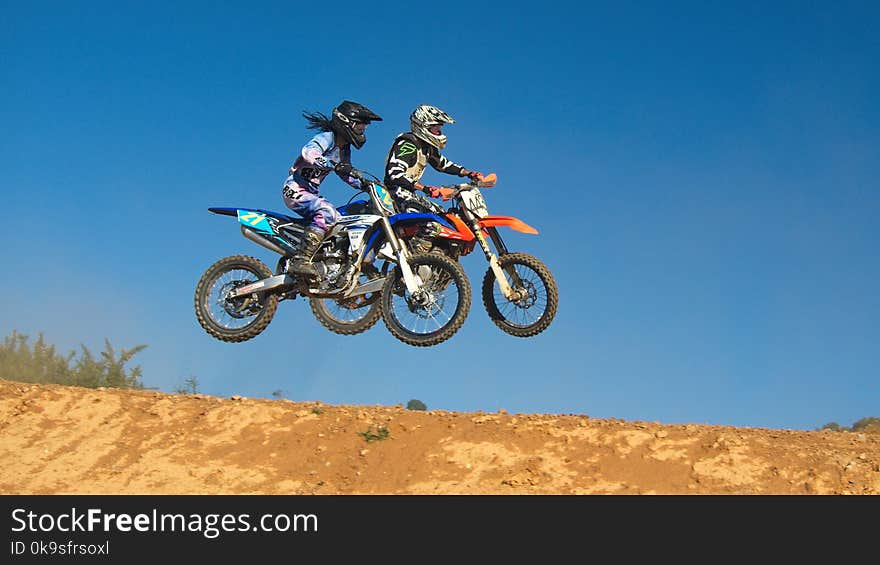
(260, 221)
(262, 227)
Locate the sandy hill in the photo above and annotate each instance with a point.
(68, 440)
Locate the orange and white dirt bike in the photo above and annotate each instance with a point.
(519, 292)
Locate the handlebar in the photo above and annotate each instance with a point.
(450, 191)
(357, 173)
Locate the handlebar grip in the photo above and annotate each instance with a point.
(488, 181)
(356, 173)
(446, 193)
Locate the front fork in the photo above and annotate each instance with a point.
(413, 285)
(507, 290)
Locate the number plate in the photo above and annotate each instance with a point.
(354, 240)
(475, 203)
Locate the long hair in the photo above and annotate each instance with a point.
(318, 121)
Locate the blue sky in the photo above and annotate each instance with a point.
(702, 175)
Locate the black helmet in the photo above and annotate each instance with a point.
(346, 115)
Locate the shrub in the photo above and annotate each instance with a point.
(416, 405)
(380, 434)
(41, 363)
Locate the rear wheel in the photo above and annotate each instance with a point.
(533, 308)
(234, 319)
(436, 311)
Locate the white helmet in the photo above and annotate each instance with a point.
(426, 122)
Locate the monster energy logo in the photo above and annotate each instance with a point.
(406, 149)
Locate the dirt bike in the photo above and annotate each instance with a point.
(519, 291)
(423, 299)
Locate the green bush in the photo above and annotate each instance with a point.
(41, 363)
(190, 386)
(416, 404)
(370, 436)
(867, 425)
(863, 425)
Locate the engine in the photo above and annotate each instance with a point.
(333, 262)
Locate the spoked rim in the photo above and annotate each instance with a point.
(349, 310)
(532, 309)
(233, 314)
(431, 311)
(526, 309)
(349, 316)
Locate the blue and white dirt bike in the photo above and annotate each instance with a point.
(364, 272)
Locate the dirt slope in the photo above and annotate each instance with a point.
(69, 440)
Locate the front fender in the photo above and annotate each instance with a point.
(509, 221)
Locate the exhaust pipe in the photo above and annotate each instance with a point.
(258, 239)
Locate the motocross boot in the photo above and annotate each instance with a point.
(301, 262)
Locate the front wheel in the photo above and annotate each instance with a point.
(534, 306)
(234, 319)
(354, 315)
(434, 313)
(347, 316)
